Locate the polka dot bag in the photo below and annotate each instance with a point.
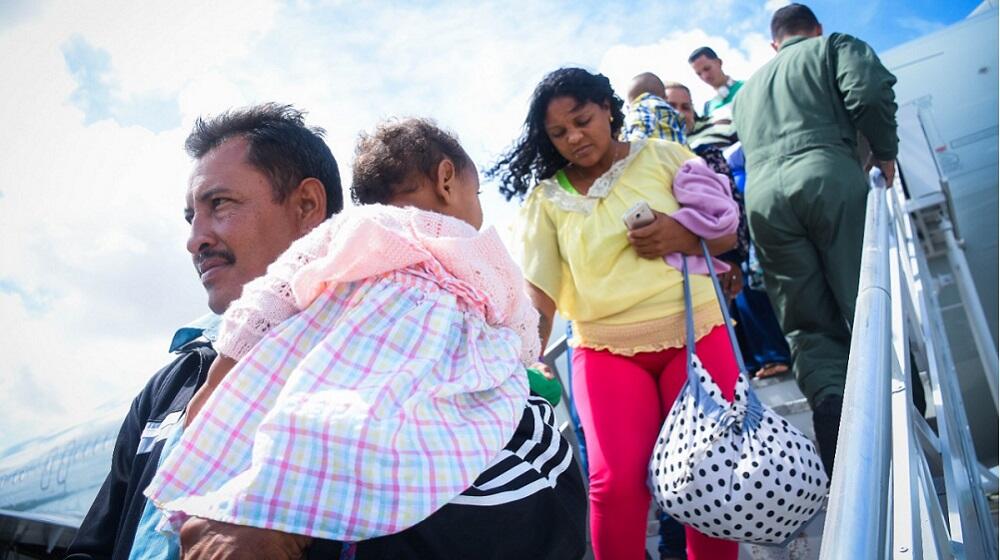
(736, 471)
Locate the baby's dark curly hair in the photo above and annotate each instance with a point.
(533, 157)
(397, 154)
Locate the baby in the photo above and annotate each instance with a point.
(380, 371)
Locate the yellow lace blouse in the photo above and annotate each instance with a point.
(575, 249)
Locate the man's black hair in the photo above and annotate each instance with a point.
(793, 19)
(703, 51)
(279, 145)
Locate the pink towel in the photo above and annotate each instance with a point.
(707, 210)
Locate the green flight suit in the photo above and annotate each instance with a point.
(798, 118)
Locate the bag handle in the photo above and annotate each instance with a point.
(725, 308)
(754, 405)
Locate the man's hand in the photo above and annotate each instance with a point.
(662, 237)
(204, 539)
(732, 281)
(888, 171)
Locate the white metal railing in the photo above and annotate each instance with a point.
(884, 499)
(856, 519)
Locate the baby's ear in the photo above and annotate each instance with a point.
(445, 184)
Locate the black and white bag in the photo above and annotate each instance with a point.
(736, 471)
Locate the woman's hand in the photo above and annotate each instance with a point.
(666, 235)
(661, 237)
(732, 281)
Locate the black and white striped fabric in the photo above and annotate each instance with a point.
(531, 462)
(530, 502)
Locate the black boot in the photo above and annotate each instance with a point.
(826, 424)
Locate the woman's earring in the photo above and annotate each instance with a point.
(611, 118)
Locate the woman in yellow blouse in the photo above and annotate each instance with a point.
(577, 181)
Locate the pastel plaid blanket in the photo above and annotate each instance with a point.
(358, 417)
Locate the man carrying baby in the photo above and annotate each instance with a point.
(261, 179)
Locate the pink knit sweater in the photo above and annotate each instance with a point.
(371, 240)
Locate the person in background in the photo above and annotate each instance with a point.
(626, 303)
(250, 196)
(762, 342)
(649, 115)
(799, 116)
(708, 66)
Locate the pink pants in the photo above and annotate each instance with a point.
(622, 402)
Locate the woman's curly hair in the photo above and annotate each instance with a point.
(391, 159)
(533, 157)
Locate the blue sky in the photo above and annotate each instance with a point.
(887, 24)
(101, 93)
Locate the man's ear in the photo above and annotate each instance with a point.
(444, 187)
(775, 45)
(309, 203)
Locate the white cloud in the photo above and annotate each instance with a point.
(91, 214)
(50, 380)
(773, 5)
(95, 269)
(159, 46)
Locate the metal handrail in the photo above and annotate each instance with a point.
(857, 517)
(881, 439)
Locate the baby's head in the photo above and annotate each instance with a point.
(412, 162)
(647, 82)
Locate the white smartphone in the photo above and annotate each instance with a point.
(640, 214)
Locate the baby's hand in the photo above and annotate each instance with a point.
(543, 369)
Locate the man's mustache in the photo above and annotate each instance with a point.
(205, 255)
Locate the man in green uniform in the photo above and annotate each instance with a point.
(798, 118)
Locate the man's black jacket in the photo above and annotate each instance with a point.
(110, 525)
